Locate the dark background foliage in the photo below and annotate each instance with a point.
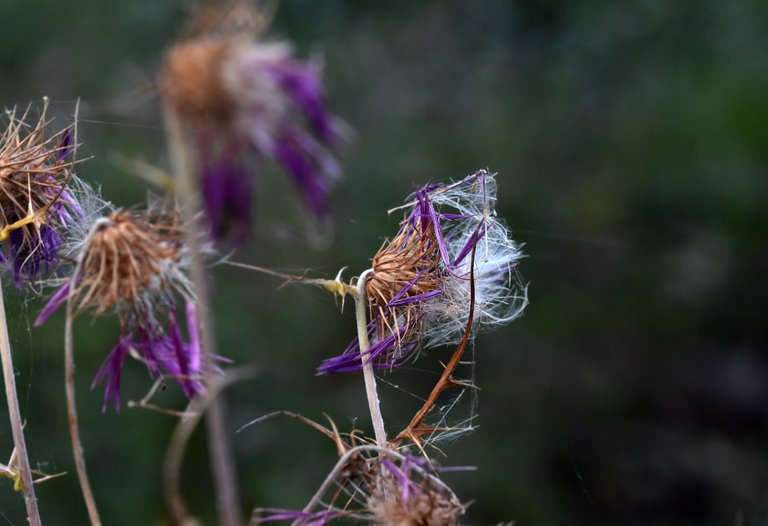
(631, 142)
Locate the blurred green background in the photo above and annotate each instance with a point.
(631, 141)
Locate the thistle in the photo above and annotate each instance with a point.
(246, 101)
(134, 263)
(419, 287)
(35, 206)
(389, 490)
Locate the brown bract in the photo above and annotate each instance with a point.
(412, 257)
(191, 80)
(33, 172)
(128, 255)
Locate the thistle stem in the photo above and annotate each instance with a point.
(74, 433)
(22, 460)
(221, 458)
(371, 393)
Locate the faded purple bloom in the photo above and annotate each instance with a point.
(134, 264)
(419, 288)
(246, 101)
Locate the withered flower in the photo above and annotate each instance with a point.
(418, 288)
(245, 101)
(35, 207)
(389, 489)
(134, 263)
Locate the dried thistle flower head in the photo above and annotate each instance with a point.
(35, 207)
(420, 284)
(406, 268)
(245, 100)
(388, 489)
(405, 496)
(130, 260)
(134, 263)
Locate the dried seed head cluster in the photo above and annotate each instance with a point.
(245, 99)
(134, 263)
(419, 290)
(35, 207)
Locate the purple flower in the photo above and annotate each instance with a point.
(419, 289)
(134, 263)
(246, 101)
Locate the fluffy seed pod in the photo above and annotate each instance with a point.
(419, 288)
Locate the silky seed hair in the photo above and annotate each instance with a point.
(500, 293)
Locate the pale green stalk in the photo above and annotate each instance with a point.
(17, 427)
(221, 458)
(74, 433)
(361, 305)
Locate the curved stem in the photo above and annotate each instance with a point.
(371, 392)
(221, 458)
(17, 427)
(74, 433)
(177, 445)
(174, 458)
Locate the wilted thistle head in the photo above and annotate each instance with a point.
(247, 100)
(35, 207)
(389, 489)
(134, 263)
(419, 287)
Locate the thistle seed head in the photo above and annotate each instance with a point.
(404, 269)
(242, 100)
(129, 260)
(35, 167)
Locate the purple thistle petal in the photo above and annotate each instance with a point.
(65, 147)
(111, 370)
(189, 385)
(404, 483)
(302, 167)
(56, 301)
(389, 352)
(195, 353)
(32, 258)
(476, 236)
(227, 190)
(398, 299)
(304, 86)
